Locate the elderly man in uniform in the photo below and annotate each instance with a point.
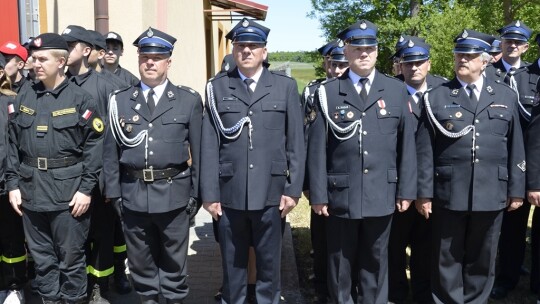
(55, 147)
(472, 168)
(409, 227)
(361, 167)
(253, 163)
(512, 70)
(154, 129)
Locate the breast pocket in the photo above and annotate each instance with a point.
(230, 113)
(499, 121)
(274, 114)
(388, 119)
(174, 127)
(65, 130)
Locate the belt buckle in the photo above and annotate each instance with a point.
(42, 163)
(148, 175)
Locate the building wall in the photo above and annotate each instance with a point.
(183, 19)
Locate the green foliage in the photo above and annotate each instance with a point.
(439, 21)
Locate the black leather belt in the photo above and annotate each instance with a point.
(43, 163)
(150, 175)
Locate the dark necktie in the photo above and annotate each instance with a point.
(150, 101)
(419, 99)
(472, 95)
(509, 75)
(248, 82)
(363, 91)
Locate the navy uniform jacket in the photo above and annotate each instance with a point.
(446, 171)
(22, 85)
(533, 145)
(126, 75)
(53, 124)
(358, 183)
(98, 86)
(251, 177)
(174, 132)
(526, 84)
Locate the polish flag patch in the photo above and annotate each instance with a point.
(11, 108)
(87, 114)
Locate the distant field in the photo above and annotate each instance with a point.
(303, 73)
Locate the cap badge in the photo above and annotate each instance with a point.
(411, 44)
(245, 23)
(112, 36)
(340, 43)
(11, 46)
(401, 39)
(150, 33)
(465, 34)
(37, 42)
(518, 24)
(66, 31)
(170, 94)
(363, 26)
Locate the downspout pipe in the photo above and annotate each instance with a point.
(101, 15)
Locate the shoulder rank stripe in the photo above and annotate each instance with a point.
(26, 110)
(64, 112)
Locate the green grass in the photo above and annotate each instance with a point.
(303, 73)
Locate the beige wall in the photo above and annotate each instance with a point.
(183, 19)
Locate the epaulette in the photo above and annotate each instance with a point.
(188, 89)
(280, 73)
(218, 76)
(315, 82)
(328, 80)
(504, 84)
(440, 77)
(115, 92)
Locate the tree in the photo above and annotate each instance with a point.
(439, 21)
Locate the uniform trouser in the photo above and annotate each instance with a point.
(513, 243)
(320, 258)
(12, 247)
(361, 241)
(463, 256)
(157, 245)
(99, 246)
(409, 228)
(238, 230)
(535, 251)
(56, 240)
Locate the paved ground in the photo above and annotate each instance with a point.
(204, 268)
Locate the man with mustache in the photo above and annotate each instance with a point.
(155, 128)
(472, 167)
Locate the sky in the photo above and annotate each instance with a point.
(290, 28)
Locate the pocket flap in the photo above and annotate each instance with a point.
(499, 113)
(392, 176)
(229, 107)
(279, 168)
(67, 172)
(65, 121)
(278, 105)
(503, 173)
(226, 169)
(391, 112)
(25, 120)
(338, 181)
(174, 119)
(443, 172)
(26, 171)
